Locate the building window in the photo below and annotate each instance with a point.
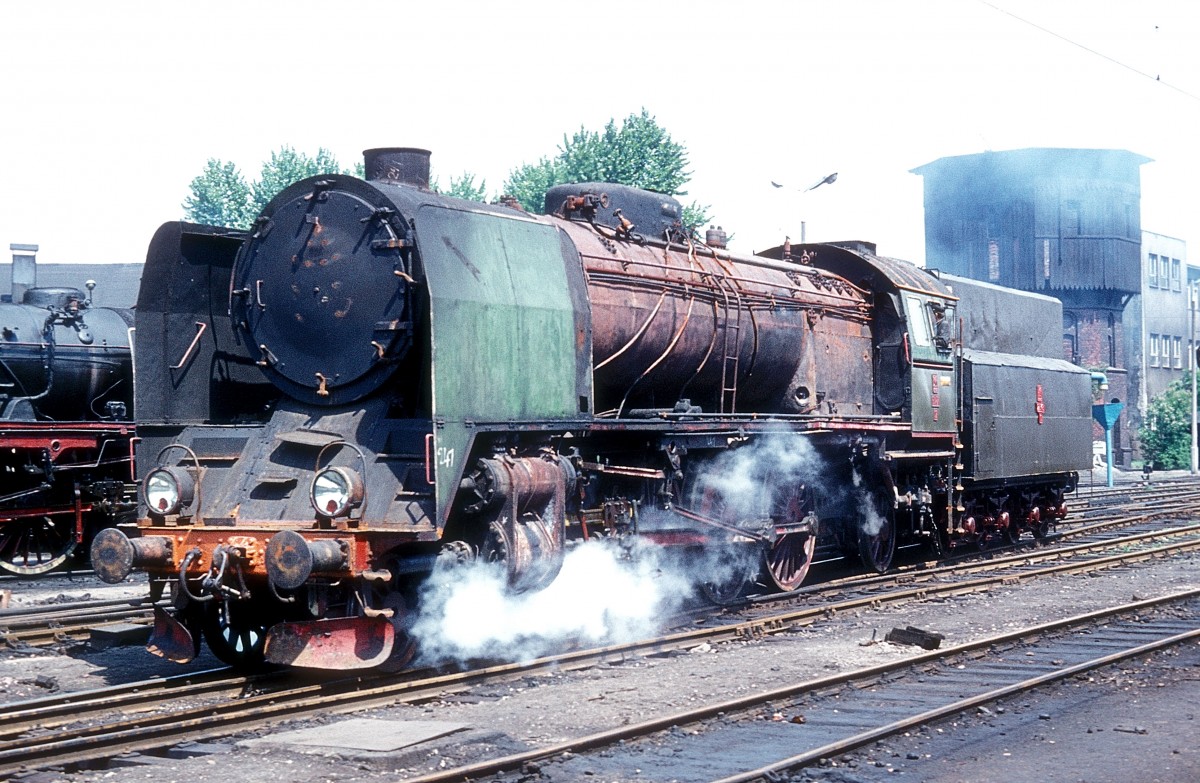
(1152, 271)
(993, 260)
(1175, 267)
(1112, 340)
(1177, 355)
(1070, 219)
(1070, 333)
(1153, 350)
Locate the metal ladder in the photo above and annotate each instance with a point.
(733, 344)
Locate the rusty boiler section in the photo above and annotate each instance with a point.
(678, 322)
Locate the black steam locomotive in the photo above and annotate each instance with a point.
(66, 395)
(378, 381)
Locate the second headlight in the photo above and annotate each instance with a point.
(336, 491)
(168, 490)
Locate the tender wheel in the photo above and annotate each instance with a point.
(35, 545)
(1012, 534)
(877, 535)
(786, 562)
(233, 634)
(1039, 524)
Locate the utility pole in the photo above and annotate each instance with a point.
(1192, 294)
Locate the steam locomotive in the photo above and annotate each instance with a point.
(377, 381)
(66, 393)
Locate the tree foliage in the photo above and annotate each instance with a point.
(286, 166)
(529, 183)
(220, 195)
(640, 153)
(463, 187)
(1166, 434)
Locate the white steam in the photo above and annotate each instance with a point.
(608, 594)
(599, 597)
(753, 480)
(870, 521)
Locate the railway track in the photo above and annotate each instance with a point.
(829, 716)
(64, 624)
(79, 729)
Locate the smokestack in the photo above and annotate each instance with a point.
(398, 165)
(24, 269)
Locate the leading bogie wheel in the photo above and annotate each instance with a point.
(234, 634)
(728, 589)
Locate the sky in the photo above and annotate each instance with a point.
(111, 109)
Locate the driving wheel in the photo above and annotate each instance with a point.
(35, 545)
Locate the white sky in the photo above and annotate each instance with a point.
(111, 108)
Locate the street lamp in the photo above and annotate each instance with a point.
(827, 180)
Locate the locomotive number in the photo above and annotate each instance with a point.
(445, 457)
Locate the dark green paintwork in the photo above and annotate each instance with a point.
(934, 385)
(501, 297)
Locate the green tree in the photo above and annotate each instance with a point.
(287, 166)
(463, 187)
(1166, 434)
(640, 153)
(529, 183)
(219, 197)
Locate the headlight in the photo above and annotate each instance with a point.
(168, 490)
(335, 491)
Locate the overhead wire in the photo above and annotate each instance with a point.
(1153, 77)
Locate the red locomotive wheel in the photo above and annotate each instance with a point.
(786, 562)
(735, 576)
(35, 545)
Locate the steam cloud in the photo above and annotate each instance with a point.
(607, 593)
(752, 480)
(599, 597)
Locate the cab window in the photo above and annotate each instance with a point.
(942, 317)
(918, 323)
